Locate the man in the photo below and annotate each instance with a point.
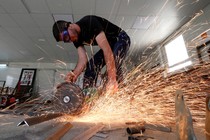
(93, 30)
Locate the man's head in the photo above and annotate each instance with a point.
(60, 31)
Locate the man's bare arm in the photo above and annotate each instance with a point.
(109, 58)
(82, 61)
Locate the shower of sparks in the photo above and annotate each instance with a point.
(149, 97)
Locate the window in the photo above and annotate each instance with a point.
(177, 55)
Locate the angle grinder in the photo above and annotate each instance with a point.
(69, 98)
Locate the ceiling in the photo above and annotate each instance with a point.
(26, 25)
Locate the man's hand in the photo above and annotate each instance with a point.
(111, 87)
(70, 77)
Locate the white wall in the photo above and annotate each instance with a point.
(10, 75)
(48, 74)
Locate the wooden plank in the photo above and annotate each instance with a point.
(89, 133)
(61, 132)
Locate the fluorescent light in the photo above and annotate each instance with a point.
(3, 65)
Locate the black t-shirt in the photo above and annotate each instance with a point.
(91, 26)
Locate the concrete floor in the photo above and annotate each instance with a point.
(10, 131)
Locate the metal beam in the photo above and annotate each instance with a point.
(39, 119)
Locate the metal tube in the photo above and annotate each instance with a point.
(135, 129)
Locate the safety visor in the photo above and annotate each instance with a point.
(65, 36)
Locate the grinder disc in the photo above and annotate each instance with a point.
(69, 98)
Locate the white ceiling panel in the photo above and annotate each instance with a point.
(65, 17)
(9, 42)
(24, 20)
(26, 25)
(142, 22)
(108, 7)
(36, 6)
(131, 7)
(77, 17)
(61, 7)
(125, 22)
(152, 7)
(7, 21)
(111, 18)
(83, 7)
(52, 42)
(135, 36)
(68, 51)
(33, 32)
(13, 6)
(135, 33)
(27, 46)
(21, 45)
(47, 32)
(163, 25)
(19, 35)
(2, 11)
(44, 52)
(10, 55)
(43, 20)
